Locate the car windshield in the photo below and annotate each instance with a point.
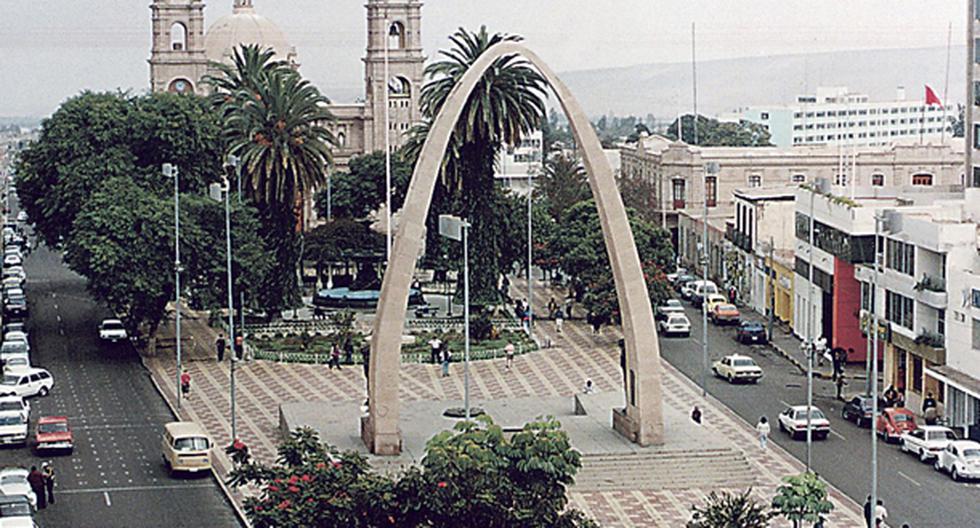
(191, 444)
(678, 319)
(901, 417)
(112, 325)
(58, 427)
(11, 406)
(941, 435)
(11, 380)
(16, 362)
(13, 347)
(971, 453)
(743, 363)
(7, 480)
(15, 509)
(815, 414)
(11, 420)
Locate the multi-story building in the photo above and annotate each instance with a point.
(971, 117)
(675, 170)
(517, 166)
(836, 116)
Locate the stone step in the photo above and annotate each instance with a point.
(709, 468)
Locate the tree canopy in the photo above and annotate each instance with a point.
(712, 133)
(360, 190)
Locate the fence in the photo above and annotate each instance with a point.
(407, 357)
(323, 327)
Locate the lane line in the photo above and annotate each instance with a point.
(106, 491)
(908, 478)
(785, 404)
(107, 501)
(838, 435)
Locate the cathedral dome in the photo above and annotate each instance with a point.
(244, 26)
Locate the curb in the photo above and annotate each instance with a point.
(796, 362)
(235, 506)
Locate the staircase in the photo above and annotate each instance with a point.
(678, 469)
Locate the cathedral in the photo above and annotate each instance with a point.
(183, 51)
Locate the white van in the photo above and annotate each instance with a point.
(700, 289)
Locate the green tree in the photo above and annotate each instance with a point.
(474, 475)
(346, 240)
(360, 190)
(278, 127)
(730, 510)
(712, 133)
(803, 498)
(248, 71)
(563, 183)
(506, 104)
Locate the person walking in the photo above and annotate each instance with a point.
(239, 347)
(36, 480)
(435, 345)
(559, 320)
(48, 471)
(219, 347)
(867, 512)
(335, 356)
(509, 354)
(589, 387)
(445, 363)
(552, 307)
(763, 429)
(349, 351)
(696, 415)
(880, 513)
(185, 383)
(840, 382)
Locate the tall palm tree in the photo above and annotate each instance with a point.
(506, 104)
(564, 183)
(250, 64)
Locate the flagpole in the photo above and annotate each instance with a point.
(949, 43)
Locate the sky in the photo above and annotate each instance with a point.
(52, 49)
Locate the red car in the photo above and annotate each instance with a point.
(893, 422)
(53, 433)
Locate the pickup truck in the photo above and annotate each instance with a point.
(112, 330)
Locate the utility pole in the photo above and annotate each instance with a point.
(772, 285)
(387, 149)
(874, 371)
(710, 169)
(172, 171)
(530, 298)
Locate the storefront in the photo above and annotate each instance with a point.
(962, 394)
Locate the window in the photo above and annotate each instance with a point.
(799, 178)
(803, 228)
(399, 86)
(755, 180)
(711, 190)
(900, 257)
(840, 179)
(765, 116)
(178, 37)
(916, 373)
(922, 179)
(867, 296)
(941, 322)
(898, 309)
(396, 36)
(878, 180)
(679, 194)
(976, 10)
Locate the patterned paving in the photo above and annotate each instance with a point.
(559, 371)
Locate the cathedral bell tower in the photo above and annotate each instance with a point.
(177, 59)
(395, 32)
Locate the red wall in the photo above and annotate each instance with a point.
(847, 308)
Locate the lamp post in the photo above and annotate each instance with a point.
(881, 224)
(171, 171)
(710, 169)
(456, 228)
(530, 302)
(389, 29)
(820, 185)
(216, 191)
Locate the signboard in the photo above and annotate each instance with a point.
(451, 227)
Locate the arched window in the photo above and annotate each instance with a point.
(878, 180)
(922, 178)
(341, 139)
(180, 86)
(396, 36)
(399, 86)
(178, 37)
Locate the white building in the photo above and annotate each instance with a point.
(835, 115)
(519, 165)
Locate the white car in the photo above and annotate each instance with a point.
(736, 368)
(17, 336)
(670, 307)
(16, 512)
(13, 428)
(13, 482)
(12, 260)
(793, 421)
(16, 363)
(675, 324)
(22, 216)
(30, 382)
(112, 330)
(16, 404)
(12, 348)
(927, 441)
(961, 459)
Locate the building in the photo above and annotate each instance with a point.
(182, 53)
(675, 170)
(836, 116)
(517, 166)
(971, 116)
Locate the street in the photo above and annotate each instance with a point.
(913, 492)
(115, 476)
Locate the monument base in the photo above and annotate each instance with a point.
(626, 425)
(389, 444)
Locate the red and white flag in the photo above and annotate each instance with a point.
(931, 98)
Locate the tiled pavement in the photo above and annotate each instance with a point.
(560, 371)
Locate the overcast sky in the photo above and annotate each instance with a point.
(52, 49)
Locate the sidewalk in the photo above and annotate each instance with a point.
(561, 371)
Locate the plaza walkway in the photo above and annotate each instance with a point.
(577, 355)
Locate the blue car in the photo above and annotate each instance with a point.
(751, 333)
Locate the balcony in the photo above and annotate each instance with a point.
(931, 290)
(926, 344)
(678, 204)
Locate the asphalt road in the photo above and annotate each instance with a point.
(913, 492)
(115, 478)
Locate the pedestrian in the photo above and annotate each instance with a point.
(239, 347)
(36, 481)
(696, 415)
(589, 388)
(819, 345)
(763, 429)
(880, 513)
(509, 353)
(219, 347)
(867, 512)
(435, 345)
(731, 295)
(335, 356)
(552, 307)
(559, 320)
(900, 399)
(48, 471)
(837, 356)
(569, 303)
(366, 365)
(445, 363)
(185, 383)
(349, 351)
(840, 382)
(929, 402)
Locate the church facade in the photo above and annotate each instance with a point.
(183, 52)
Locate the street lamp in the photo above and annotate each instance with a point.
(455, 228)
(216, 189)
(710, 170)
(390, 31)
(820, 185)
(530, 297)
(171, 171)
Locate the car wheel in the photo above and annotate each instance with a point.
(843, 414)
(937, 466)
(782, 427)
(955, 475)
(731, 379)
(923, 457)
(43, 392)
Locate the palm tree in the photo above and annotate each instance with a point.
(249, 66)
(506, 104)
(563, 184)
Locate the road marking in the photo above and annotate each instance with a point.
(57, 316)
(56, 307)
(785, 404)
(107, 501)
(838, 435)
(62, 332)
(106, 491)
(908, 478)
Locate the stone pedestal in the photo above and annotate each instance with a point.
(624, 425)
(380, 443)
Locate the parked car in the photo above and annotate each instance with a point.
(669, 307)
(682, 280)
(715, 299)
(13, 348)
(15, 307)
(751, 332)
(186, 447)
(10, 292)
(793, 421)
(724, 314)
(858, 410)
(12, 260)
(16, 403)
(14, 326)
(13, 282)
(702, 289)
(112, 330)
(17, 336)
(961, 459)
(927, 441)
(16, 512)
(53, 434)
(893, 422)
(672, 277)
(31, 382)
(676, 324)
(16, 363)
(736, 368)
(13, 428)
(13, 483)
(22, 216)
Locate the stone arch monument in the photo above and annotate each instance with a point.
(641, 420)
